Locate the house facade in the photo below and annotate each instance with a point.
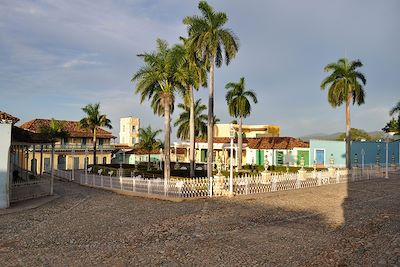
(249, 131)
(75, 151)
(129, 131)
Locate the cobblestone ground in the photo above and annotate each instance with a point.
(336, 225)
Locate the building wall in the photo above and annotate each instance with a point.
(129, 131)
(70, 158)
(335, 149)
(372, 150)
(5, 142)
(250, 131)
(290, 156)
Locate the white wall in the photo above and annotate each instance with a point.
(5, 142)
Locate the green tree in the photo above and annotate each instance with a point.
(183, 121)
(156, 82)
(393, 111)
(391, 126)
(148, 141)
(210, 41)
(356, 135)
(93, 121)
(53, 131)
(191, 74)
(345, 84)
(239, 106)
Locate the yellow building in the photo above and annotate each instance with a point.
(73, 152)
(129, 131)
(249, 131)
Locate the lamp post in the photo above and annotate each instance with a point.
(232, 135)
(161, 158)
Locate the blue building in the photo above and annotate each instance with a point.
(372, 152)
(322, 152)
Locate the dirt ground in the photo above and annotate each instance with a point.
(356, 224)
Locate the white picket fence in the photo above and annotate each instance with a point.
(242, 185)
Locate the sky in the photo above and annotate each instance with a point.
(57, 56)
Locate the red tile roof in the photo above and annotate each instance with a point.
(70, 126)
(20, 135)
(139, 151)
(7, 117)
(276, 143)
(263, 142)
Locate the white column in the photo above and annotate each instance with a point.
(33, 164)
(5, 143)
(231, 170)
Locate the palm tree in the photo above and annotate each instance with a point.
(183, 121)
(156, 82)
(148, 141)
(393, 111)
(239, 106)
(191, 74)
(93, 121)
(210, 40)
(345, 85)
(53, 131)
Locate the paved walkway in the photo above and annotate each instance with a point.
(338, 225)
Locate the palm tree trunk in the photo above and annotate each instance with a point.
(348, 127)
(210, 129)
(240, 144)
(94, 146)
(148, 160)
(191, 133)
(167, 139)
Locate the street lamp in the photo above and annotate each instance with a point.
(232, 136)
(387, 136)
(362, 159)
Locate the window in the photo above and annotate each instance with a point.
(122, 140)
(133, 140)
(123, 128)
(133, 128)
(104, 160)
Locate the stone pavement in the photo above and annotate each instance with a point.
(356, 224)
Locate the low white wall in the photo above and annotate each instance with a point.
(5, 142)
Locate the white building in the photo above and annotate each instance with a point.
(129, 131)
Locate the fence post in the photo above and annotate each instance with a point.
(102, 182)
(246, 176)
(111, 182)
(298, 181)
(337, 176)
(120, 182)
(133, 185)
(273, 183)
(319, 179)
(210, 186)
(148, 186)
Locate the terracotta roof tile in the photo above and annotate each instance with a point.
(139, 151)
(7, 117)
(20, 135)
(263, 142)
(70, 126)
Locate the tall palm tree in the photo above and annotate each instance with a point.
(239, 106)
(183, 121)
(53, 131)
(393, 111)
(93, 121)
(191, 74)
(156, 82)
(148, 141)
(210, 40)
(345, 84)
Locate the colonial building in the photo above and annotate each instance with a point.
(129, 131)
(249, 131)
(75, 151)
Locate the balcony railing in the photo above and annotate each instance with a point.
(70, 147)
